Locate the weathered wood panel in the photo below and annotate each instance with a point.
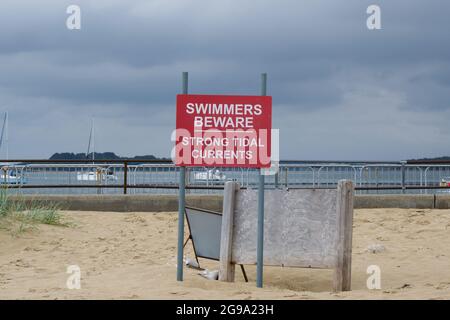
(301, 228)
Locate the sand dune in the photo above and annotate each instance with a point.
(133, 256)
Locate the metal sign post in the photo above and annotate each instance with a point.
(181, 202)
(260, 240)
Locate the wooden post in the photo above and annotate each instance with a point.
(226, 268)
(343, 270)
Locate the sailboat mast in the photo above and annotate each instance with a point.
(93, 141)
(7, 135)
(3, 134)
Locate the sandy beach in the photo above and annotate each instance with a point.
(133, 256)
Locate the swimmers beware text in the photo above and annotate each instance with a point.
(223, 131)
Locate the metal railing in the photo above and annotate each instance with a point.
(161, 176)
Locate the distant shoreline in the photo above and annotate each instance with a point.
(100, 156)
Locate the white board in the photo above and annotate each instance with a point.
(301, 228)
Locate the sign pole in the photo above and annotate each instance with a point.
(181, 202)
(260, 240)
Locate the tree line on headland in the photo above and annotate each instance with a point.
(100, 156)
(113, 156)
(433, 159)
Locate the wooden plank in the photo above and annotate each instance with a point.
(344, 208)
(226, 267)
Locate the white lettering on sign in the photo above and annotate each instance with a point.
(213, 115)
(223, 142)
(223, 122)
(224, 109)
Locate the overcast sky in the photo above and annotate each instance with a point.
(340, 91)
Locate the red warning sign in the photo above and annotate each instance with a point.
(223, 131)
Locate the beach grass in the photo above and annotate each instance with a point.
(18, 215)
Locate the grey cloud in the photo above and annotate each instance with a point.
(124, 68)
